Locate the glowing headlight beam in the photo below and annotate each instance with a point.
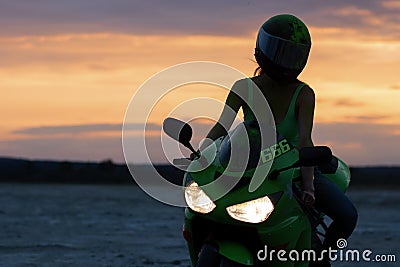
(197, 199)
(254, 211)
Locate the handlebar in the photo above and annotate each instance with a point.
(181, 161)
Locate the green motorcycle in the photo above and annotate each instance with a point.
(227, 225)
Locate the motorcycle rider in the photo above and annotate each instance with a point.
(282, 48)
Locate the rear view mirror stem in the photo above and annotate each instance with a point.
(181, 132)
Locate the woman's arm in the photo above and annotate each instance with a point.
(306, 105)
(232, 104)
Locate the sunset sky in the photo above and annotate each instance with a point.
(68, 69)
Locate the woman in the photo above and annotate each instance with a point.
(282, 49)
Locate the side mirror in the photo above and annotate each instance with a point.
(315, 156)
(179, 131)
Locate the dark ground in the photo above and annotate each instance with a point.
(110, 225)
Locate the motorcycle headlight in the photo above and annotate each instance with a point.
(197, 199)
(254, 211)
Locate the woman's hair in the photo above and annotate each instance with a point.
(258, 71)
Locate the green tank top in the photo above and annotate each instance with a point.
(289, 126)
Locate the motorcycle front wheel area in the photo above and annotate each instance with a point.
(209, 257)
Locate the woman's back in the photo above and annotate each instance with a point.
(278, 95)
(282, 99)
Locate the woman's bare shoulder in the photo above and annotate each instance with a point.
(306, 95)
(256, 80)
(240, 87)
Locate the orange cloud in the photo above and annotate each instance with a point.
(391, 4)
(76, 79)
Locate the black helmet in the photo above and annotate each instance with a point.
(282, 47)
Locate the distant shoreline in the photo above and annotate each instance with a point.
(15, 170)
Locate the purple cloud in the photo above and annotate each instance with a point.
(358, 144)
(347, 102)
(225, 17)
(84, 128)
(362, 143)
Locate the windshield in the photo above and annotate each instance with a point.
(240, 151)
(241, 148)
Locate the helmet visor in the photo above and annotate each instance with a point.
(284, 53)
